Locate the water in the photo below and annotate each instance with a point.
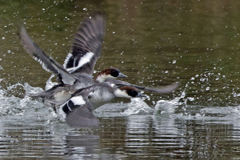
(153, 42)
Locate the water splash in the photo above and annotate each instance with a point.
(49, 83)
(31, 90)
(111, 110)
(13, 106)
(10, 105)
(169, 106)
(138, 106)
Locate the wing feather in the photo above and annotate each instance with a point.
(47, 62)
(88, 38)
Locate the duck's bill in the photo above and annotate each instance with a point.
(122, 75)
(141, 95)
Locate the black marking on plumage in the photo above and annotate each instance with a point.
(76, 55)
(59, 78)
(86, 68)
(56, 86)
(114, 72)
(69, 64)
(69, 107)
(65, 108)
(132, 93)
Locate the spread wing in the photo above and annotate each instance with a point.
(86, 48)
(79, 111)
(161, 90)
(47, 62)
(82, 117)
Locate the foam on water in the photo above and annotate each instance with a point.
(22, 109)
(111, 110)
(49, 83)
(138, 106)
(11, 105)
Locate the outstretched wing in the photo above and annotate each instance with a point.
(82, 117)
(161, 90)
(78, 111)
(86, 48)
(47, 62)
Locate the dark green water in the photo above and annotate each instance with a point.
(153, 42)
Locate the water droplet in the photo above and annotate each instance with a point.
(191, 99)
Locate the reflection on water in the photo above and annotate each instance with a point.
(154, 43)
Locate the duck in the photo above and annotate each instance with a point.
(78, 67)
(78, 110)
(61, 92)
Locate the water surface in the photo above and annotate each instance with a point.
(153, 42)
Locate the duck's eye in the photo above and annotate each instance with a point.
(132, 93)
(114, 73)
(90, 95)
